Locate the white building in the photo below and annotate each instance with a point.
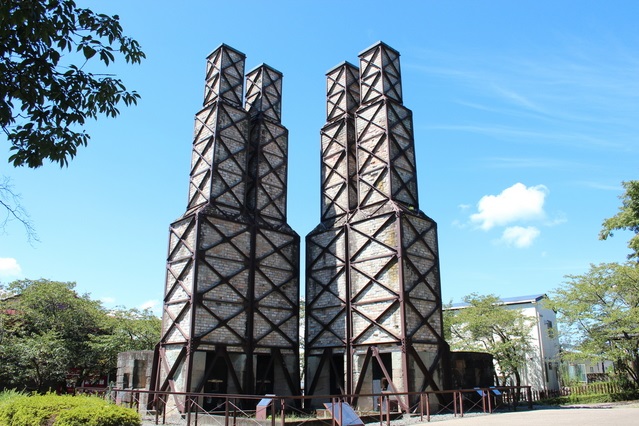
(541, 370)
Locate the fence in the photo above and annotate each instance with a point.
(587, 389)
(242, 410)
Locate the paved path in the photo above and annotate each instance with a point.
(613, 414)
(617, 415)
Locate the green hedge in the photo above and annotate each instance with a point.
(24, 410)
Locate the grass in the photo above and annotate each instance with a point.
(590, 399)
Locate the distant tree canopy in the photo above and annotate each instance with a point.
(46, 93)
(46, 329)
(599, 314)
(626, 219)
(486, 325)
(124, 330)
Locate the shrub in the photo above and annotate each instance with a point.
(6, 395)
(106, 415)
(7, 406)
(27, 410)
(22, 410)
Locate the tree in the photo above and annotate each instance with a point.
(46, 332)
(126, 330)
(33, 359)
(45, 89)
(47, 329)
(626, 219)
(486, 325)
(599, 312)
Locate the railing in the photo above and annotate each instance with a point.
(240, 410)
(585, 389)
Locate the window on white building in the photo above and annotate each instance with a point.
(577, 372)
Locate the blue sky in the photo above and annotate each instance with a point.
(526, 119)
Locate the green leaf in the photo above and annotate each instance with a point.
(88, 51)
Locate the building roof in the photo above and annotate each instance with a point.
(517, 300)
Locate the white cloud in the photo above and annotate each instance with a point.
(107, 299)
(459, 224)
(517, 98)
(517, 203)
(559, 218)
(9, 267)
(519, 236)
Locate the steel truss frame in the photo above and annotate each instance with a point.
(373, 280)
(232, 282)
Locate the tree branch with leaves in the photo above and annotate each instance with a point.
(45, 97)
(47, 93)
(627, 218)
